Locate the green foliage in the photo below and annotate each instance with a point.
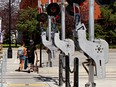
(109, 13)
(106, 27)
(13, 45)
(99, 33)
(105, 13)
(27, 20)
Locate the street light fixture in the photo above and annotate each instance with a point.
(9, 48)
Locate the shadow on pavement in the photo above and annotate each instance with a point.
(47, 79)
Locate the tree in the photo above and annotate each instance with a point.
(108, 24)
(4, 13)
(27, 22)
(84, 11)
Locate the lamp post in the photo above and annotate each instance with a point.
(9, 54)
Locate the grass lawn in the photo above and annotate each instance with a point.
(12, 45)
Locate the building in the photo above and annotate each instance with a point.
(32, 3)
(84, 9)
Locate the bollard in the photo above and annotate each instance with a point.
(49, 58)
(61, 55)
(41, 54)
(67, 76)
(76, 72)
(9, 52)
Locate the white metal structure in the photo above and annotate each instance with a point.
(97, 50)
(67, 45)
(49, 45)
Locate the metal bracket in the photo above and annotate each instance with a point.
(97, 50)
(66, 46)
(49, 44)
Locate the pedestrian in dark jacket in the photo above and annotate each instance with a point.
(31, 55)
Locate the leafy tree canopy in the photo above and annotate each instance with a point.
(106, 27)
(27, 20)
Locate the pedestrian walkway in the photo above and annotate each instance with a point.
(25, 79)
(48, 76)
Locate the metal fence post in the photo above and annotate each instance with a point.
(67, 75)
(76, 72)
(60, 69)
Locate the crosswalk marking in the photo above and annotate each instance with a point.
(40, 84)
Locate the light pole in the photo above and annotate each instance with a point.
(9, 54)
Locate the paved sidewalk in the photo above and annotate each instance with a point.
(33, 79)
(48, 76)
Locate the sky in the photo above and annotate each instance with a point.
(4, 2)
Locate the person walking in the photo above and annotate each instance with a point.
(21, 54)
(31, 55)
